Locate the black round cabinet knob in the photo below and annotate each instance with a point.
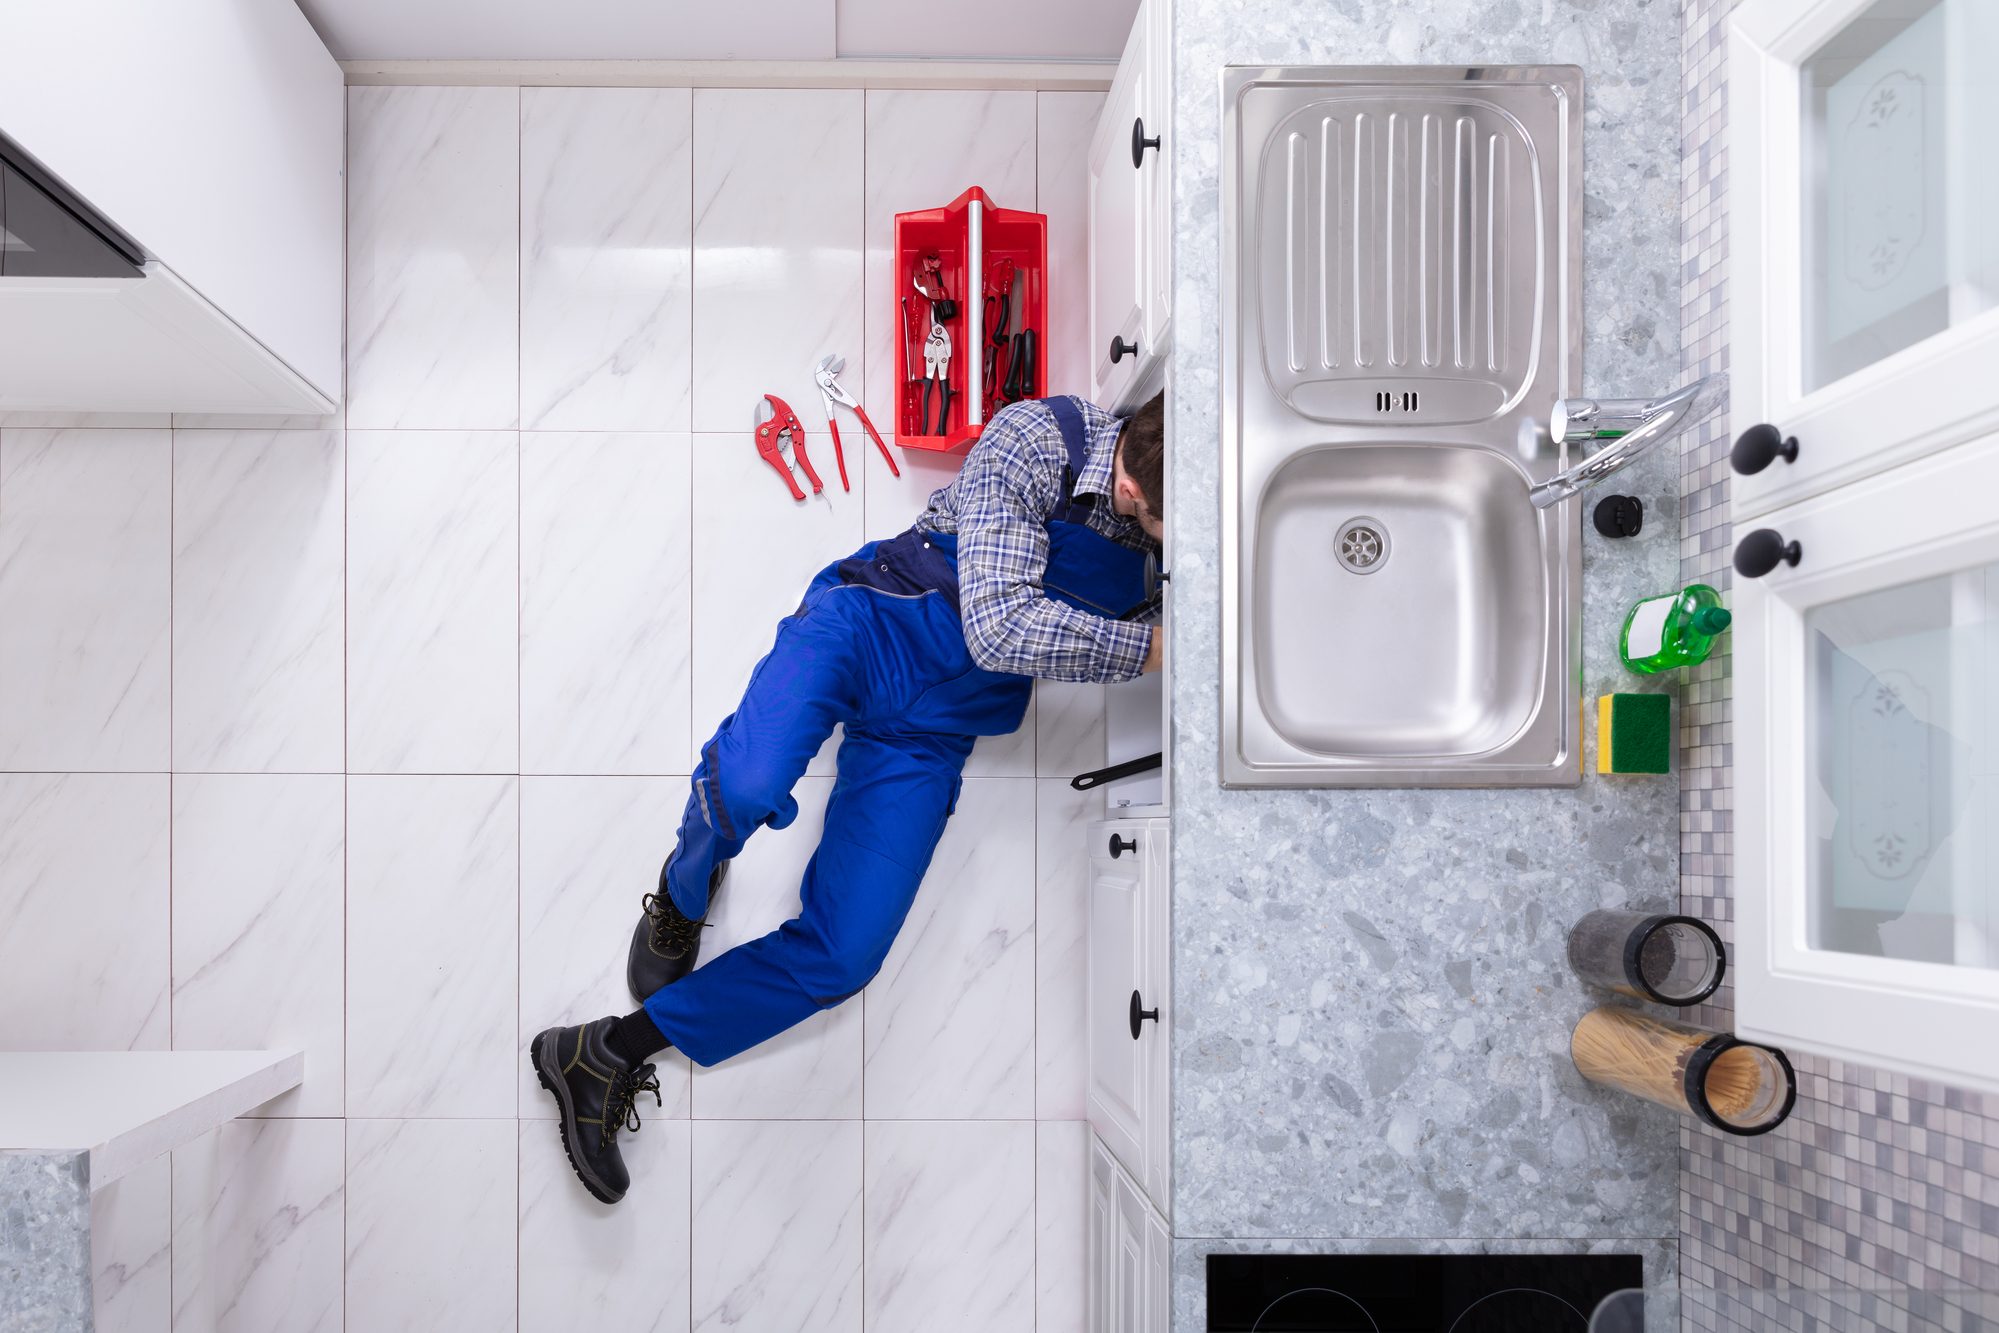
(1139, 143)
(1762, 551)
(1756, 447)
(1120, 349)
(1619, 515)
(1119, 846)
(1139, 1015)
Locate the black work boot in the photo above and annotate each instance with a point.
(665, 944)
(597, 1091)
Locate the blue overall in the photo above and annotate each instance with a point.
(877, 647)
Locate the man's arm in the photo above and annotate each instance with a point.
(1002, 553)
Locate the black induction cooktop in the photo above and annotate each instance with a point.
(1413, 1293)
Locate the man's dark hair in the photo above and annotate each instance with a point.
(1142, 450)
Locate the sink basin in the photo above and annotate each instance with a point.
(1401, 299)
(1400, 601)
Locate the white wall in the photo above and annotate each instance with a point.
(211, 131)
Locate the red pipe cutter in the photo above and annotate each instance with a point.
(771, 437)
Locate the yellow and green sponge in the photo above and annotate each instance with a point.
(1634, 733)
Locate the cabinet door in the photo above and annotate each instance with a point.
(1100, 1272)
(1864, 180)
(1867, 775)
(1158, 1276)
(1117, 262)
(1117, 1097)
(1133, 1273)
(1156, 217)
(1155, 986)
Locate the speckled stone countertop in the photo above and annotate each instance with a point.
(45, 1241)
(1371, 997)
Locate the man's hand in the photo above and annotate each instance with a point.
(1152, 653)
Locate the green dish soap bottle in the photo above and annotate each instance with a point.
(1675, 631)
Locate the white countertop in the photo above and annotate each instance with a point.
(127, 1107)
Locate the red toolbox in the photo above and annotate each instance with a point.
(991, 264)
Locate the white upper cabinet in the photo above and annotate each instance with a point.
(1866, 638)
(1864, 185)
(212, 134)
(1130, 223)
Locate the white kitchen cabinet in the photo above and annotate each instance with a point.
(1129, 1010)
(1130, 224)
(1130, 1258)
(211, 133)
(1866, 598)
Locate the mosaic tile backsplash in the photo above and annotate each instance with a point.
(1876, 1177)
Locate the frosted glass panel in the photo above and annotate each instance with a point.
(1901, 181)
(1904, 702)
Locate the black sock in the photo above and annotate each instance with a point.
(635, 1037)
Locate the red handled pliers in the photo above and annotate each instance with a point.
(827, 375)
(771, 437)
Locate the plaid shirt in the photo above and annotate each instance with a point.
(998, 506)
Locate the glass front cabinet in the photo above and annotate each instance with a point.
(1864, 182)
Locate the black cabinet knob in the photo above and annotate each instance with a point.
(1619, 515)
(1119, 846)
(1120, 349)
(1139, 143)
(1762, 550)
(1756, 447)
(1139, 1015)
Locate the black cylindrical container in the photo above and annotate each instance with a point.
(1674, 960)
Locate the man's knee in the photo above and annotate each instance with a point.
(737, 793)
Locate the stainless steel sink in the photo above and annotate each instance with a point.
(1401, 293)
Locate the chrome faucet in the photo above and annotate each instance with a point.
(1634, 427)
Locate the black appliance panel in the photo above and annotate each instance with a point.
(1413, 1293)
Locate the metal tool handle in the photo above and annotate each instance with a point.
(1098, 777)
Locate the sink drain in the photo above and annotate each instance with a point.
(1362, 545)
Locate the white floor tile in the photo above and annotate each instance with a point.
(950, 1018)
(588, 1265)
(606, 575)
(1061, 915)
(433, 221)
(777, 254)
(259, 944)
(1008, 756)
(1069, 728)
(259, 1207)
(432, 1225)
(814, 1069)
(755, 550)
(259, 631)
(1064, 126)
(432, 946)
(591, 849)
(85, 594)
(777, 1226)
(131, 1250)
(924, 149)
(1061, 1213)
(433, 616)
(950, 1226)
(606, 200)
(83, 911)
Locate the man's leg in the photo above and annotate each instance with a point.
(805, 685)
(895, 791)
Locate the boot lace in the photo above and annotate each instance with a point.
(672, 932)
(621, 1106)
